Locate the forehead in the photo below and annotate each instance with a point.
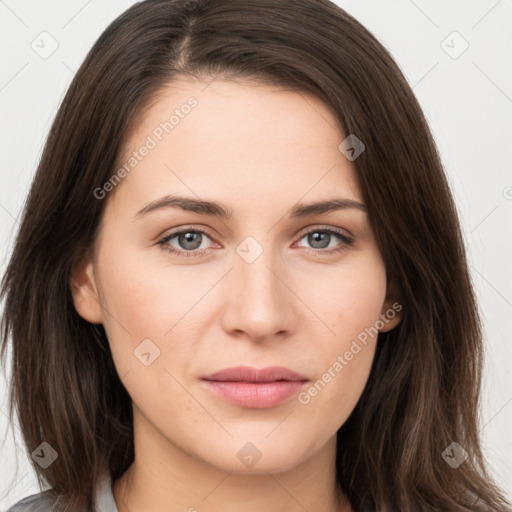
(251, 140)
(236, 110)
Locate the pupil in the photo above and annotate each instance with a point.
(188, 238)
(317, 237)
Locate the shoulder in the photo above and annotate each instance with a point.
(39, 502)
(44, 502)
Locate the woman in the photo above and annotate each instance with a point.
(240, 281)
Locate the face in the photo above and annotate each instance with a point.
(258, 287)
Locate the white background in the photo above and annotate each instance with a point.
(467, 100)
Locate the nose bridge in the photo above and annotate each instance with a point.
(256, 267)
(259, 302)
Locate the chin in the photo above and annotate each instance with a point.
(254, 459)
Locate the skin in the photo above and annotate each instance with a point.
(259, 150)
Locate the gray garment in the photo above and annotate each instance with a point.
(103, 497)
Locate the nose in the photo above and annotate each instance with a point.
(258, 300)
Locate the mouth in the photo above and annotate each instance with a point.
(249, 374)
(256, 389)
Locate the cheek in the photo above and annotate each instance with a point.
(348, 298)
(147, 311)
(144, 298)
(344, 355)
(147, 299)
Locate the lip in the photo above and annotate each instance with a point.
(250, 374)
(257, 389)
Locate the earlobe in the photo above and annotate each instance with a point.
(392, 310)
(390, 316)
(84, 291)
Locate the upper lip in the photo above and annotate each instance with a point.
(249, 374)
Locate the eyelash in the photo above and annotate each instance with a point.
(346, 241)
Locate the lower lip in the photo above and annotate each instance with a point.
(255, 395)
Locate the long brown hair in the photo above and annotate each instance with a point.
(424, 388)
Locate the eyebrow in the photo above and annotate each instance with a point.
(216, 209)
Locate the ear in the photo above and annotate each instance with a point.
(85, 292)
(391, 313)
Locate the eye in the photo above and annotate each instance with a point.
(320, 237)
(189, 240)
